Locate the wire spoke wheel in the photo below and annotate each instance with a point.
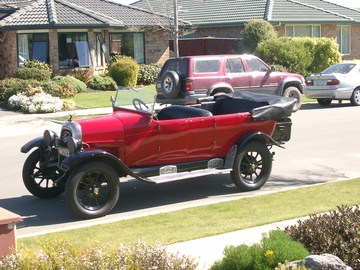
(39, 178)
(93, 190)
(252, 166)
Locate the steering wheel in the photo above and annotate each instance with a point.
(140, 105)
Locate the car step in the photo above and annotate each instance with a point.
(171, 177)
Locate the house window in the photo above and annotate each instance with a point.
(98, 51)
(74, 50)
(129, 44)
(33, 47)
(343, 39)
(302, 31)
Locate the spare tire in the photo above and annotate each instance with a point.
(170, 84)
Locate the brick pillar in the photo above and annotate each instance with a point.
(54, 51)
(156, 47)
(7, 231)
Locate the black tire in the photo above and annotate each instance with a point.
(355, 97)
(92, 190)
(39, 181)
(170, 84)
(293, 92)
(252, 166)
(324, 101)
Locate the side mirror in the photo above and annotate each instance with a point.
(273, 68)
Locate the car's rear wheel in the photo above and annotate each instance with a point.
(170, 84)
(252, 166)
(92, 190)
(39, 179)
(355, 97)
(293, 92)
(324, 101)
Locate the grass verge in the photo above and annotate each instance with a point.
(198, 222)
(99, 99)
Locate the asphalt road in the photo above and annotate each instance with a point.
(324, 147)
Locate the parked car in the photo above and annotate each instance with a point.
(224, 134)
(184, 80)
(338, 82)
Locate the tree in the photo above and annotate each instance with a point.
(256, 31)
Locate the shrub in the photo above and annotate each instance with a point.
(102, 82)
(336, 233)
(148, 73)
(300, 55)
(62, 255)
(13, 86)
(71, 83)
(325, 53)
(273, 249)
(34, 100)
(288, 52)
(38, 64)
(68, 104)
(254, 32)
(26, 73)
(124, 71)
(82, 75)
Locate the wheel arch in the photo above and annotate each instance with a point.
(288, 83)
(258, 137)
(37, 142)
(75, 160)
(222, 88)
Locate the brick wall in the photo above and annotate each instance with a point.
(355, 42)
(156, 47)
(8, 53)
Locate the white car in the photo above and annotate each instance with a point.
(338, 82)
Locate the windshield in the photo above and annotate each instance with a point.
(339, 68)
(141, 99)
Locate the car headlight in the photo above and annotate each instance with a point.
(50, 137)
(73, 144)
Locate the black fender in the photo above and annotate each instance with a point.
(257, 136)
(77, 159)
(37, 142)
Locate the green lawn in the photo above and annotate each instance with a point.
(203, 221)
(99, 99)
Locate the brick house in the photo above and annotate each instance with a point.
(78, 34)
(226, 19)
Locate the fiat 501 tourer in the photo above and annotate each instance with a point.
(231, 133)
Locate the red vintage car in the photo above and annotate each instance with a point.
(221, 134)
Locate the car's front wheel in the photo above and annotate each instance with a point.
(293, 92)
(92, 190)
(39, 178)
(355, 97)
(324, 101)
(252, 166)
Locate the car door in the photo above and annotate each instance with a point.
(182, 140)
(262, 79)
(236, 75)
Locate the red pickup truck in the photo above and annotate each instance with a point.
(183, 80)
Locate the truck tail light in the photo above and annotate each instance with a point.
(188, 85)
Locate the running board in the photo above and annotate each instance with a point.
(171, 177)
